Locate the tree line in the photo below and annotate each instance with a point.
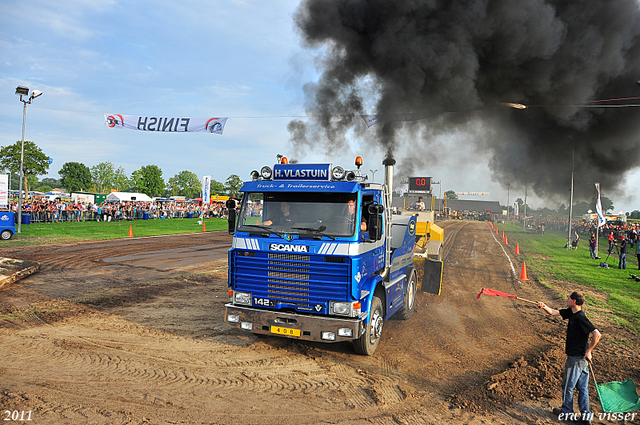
(104, 177)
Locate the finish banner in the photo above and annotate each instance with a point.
(166, 124)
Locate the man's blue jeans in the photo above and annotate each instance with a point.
(623, 261)
(576, 375)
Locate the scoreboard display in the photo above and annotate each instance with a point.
(419, 184)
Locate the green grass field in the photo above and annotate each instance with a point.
(547, 257)
(45, 233)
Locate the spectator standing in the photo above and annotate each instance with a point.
(576, 238)
(611, 242)
(592, 246)
(638, 251)
(579, 354)
(624, 249)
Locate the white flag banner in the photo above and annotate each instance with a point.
(206, 190)
(4, 191)
(166, 124)
(516, 208)
(601, 220)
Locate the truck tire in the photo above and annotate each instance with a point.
(409, 298)
(368, 341)
(5, 235)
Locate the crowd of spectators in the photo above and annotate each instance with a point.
(44, 211)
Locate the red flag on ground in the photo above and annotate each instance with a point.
(494, 293)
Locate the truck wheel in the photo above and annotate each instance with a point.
(5, 235)
(368, 341)
(409, 298)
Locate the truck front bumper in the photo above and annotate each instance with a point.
(292, 325)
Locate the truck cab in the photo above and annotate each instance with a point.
(316, 256)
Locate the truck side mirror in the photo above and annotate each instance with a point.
(374, 227)
(375, 209)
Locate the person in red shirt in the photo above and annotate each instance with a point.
(611, 242)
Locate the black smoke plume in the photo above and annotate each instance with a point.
(434, 68)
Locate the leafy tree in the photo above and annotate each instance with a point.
(217, 187)
(75, 176)
(45, 188)
(102, 175)
(148, 180)
(107, 177)
(120, 180)
(184, 183)
(36, 163)
(635, 214)
(451, 194)
(233, 184)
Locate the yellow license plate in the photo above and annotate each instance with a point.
(285, 331)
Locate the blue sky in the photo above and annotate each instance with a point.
(236, 59)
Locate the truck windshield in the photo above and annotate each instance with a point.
(315, 214)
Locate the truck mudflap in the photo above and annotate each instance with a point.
(292, 325)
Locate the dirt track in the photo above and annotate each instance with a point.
(131, 332)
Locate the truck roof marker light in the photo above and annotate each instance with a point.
(359, 162)
(284, 160)
(255, 175)
(266, 172)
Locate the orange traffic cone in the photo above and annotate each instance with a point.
(517, 249)
(130, 231)
(203, 228)
(496, 230)
(503, 235)
(523, 274)
(506, 241)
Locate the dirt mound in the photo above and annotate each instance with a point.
(537, 376)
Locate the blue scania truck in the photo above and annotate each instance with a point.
(318, 255)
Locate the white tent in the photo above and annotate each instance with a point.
(126, 196)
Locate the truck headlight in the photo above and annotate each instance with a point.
(329, 336)
(234, 318)
(345, 332)
(340, 308)
(243, 298)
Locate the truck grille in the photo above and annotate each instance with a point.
(298, 280)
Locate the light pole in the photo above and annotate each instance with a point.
(373, 179)
(573, 161)
(23, 91)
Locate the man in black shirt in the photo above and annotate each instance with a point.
(624, 250)
(579, 354)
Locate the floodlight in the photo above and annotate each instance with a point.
(22, 90)
(35, 94)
